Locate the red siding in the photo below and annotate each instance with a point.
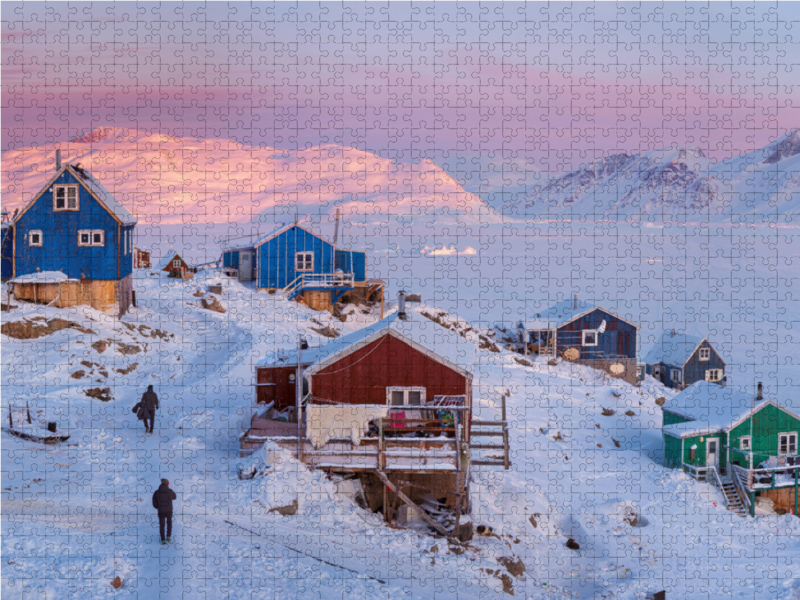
(282, 393)
(176, 257)
(363, 376)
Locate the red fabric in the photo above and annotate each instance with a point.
(397, 415)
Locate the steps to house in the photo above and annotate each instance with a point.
(491, 429)
(733, 501)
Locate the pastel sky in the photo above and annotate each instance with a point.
(516, 87)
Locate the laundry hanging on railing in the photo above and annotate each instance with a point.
(346, 421)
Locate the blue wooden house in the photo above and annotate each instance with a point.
(73, 244)
(585, 333)
(678, 360)
(305, 266)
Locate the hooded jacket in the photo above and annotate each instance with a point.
(162, 499)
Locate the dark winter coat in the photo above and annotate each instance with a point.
(148, 405)
(162, 499)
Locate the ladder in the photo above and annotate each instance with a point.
(491, 430)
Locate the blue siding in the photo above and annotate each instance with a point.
(619, 338)
(230, 259)
(7, 246)
(276, 257)
(693, 371)
(60, 250)
(352, 261)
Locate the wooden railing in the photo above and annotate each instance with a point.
(319, 280)
(709, 474)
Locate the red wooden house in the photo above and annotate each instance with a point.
(393, 401)
(172, 261)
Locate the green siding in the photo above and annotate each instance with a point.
(767, 424)
(672, 450)
(672, 418)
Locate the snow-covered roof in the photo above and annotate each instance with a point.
(565, 312)
(437, 341)
(167, 259)
(41, 277)
(278, 231)
(711, 408)
(105, 197)
(673, 349)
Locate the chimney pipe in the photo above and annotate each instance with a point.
(401, 303)
(672, 333)
(760, 394)
(575, 302)
(58, 159)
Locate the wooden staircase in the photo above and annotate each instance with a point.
(491, 430)
(733, 501)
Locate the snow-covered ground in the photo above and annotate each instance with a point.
(77, 515)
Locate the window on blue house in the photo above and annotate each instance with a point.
(304, 262)
(35, 238)
(91, 237)
(705, 353)
(589, 337)
(65, 197)
(677, 376)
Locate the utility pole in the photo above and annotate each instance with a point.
(299, 396)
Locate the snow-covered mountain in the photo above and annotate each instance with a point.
(164, 179)
(675, 184)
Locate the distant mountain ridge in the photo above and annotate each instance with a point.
(674, 184)
(165, 179)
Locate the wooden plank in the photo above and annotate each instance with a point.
(488, 447)
(489, 463)
(425, 517)
(487, 434)
(489, 423)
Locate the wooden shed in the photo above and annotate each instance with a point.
(745, 443)
(585, 333)
(141, 258)
(678, 360)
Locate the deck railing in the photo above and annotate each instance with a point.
(319, 280)
(709, 474)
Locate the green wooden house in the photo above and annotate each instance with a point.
(749, 441)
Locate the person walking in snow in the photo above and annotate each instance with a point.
(162, 502)
(146, 408)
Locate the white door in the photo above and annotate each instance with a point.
(712, 452)
(245, 266)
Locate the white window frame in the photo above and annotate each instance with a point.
(787, 435)
(176, 263)
(33, 232)
(405, 390)
(705, 354)
(125, 242)
(655, 371)
(709, 378)
(746, 440)
(676, 375)
(67, 187)
(91, 233)
(305, 256)
(590, 331)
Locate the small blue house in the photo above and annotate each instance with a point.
(75, 230)
(585, 333)
(678, 360)
(303, 264)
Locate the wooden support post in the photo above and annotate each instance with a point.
(796, 476)
(506, 462)
(459, 489)
(382, 476)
